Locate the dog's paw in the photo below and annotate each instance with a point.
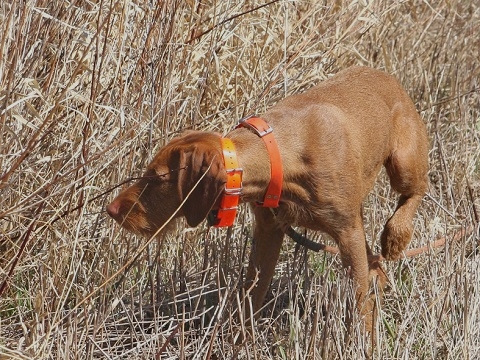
(377, 275)
(395, 238)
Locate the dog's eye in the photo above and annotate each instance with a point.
(151, 176)
(158, 174)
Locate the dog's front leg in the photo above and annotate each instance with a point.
(353, 253)
(267, 242)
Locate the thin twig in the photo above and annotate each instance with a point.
(26, 237)
(228, 20)
(109, 190)
(168, 341)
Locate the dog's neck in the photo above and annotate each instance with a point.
(253, 158)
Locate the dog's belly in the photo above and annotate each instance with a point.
(328, 218)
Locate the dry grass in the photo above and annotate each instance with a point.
(89, 91)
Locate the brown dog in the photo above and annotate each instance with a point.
(333, 140)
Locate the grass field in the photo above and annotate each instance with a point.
(89, 91)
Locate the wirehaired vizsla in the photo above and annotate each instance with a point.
(332, 141)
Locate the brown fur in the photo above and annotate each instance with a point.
(333, 140)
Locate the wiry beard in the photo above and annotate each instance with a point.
(135, 219)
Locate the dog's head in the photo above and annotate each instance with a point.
(173, 176)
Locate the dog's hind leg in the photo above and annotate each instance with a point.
(407, 168)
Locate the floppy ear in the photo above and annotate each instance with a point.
(194, 162)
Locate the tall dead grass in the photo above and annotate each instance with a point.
(89, 91)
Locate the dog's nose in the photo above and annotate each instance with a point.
(113, 209)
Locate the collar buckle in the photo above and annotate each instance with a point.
(259, 128)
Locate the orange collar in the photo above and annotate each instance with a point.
(265, 131)
(225, 215)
